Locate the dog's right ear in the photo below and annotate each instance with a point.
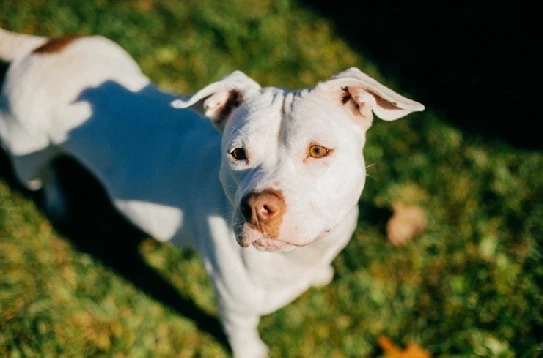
(218, 100)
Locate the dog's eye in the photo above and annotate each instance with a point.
(318, 151)
(238, 154)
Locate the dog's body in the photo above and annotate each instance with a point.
(285, 178)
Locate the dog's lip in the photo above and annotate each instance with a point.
(269, 244)
(266, 243)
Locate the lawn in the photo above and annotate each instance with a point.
(469, 285)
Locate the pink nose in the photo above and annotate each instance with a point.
(264, 211)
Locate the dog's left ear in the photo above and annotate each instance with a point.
(363, 95)
(218, 100)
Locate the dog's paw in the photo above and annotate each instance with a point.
(323, 276)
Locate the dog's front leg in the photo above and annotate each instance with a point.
(241, 330)
(240, 301)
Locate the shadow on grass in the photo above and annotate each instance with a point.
(95, 227)
(474, 62)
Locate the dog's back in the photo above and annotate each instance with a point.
(38, 102)
(51, 76)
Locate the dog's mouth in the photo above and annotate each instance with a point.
(273, 245)
(262, 242)
(247, 237)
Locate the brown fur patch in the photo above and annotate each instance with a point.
(55, 45)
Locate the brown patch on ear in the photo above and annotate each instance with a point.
(383, 103)
(362, 114)
(233, 101)
(56, 45)
(347, 97)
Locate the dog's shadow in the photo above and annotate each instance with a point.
(95, 227)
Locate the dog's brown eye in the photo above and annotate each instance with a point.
(239, 154)
(318, 151)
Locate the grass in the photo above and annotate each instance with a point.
(470, 285)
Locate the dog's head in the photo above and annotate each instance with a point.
(292, 163)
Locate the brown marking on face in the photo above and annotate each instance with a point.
(263, 211)
(55, 45)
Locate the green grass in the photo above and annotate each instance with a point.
(470, 285)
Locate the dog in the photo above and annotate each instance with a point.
(262, 182)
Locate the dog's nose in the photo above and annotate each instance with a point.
(264, 211)
(263, 207)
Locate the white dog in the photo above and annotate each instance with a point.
(268, 197)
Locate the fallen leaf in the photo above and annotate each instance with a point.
(392, 351)
(406, 222)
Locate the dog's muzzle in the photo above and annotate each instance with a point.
(263, 212)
